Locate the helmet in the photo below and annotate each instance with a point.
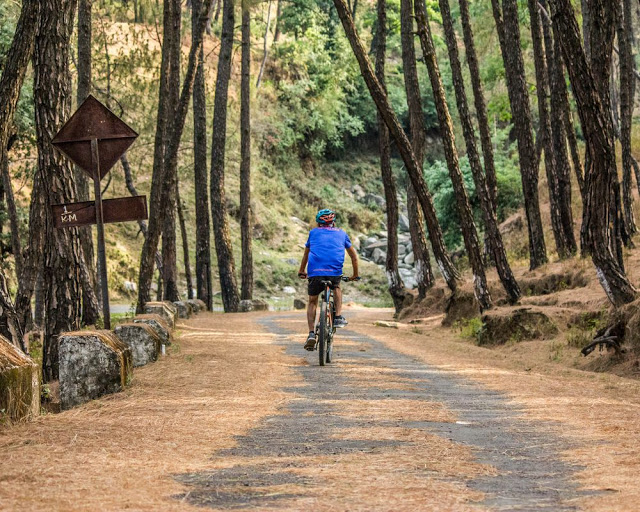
(326, 217)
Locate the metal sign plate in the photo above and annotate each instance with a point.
(122, 209)
(93, 120)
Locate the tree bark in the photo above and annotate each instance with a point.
(486, 205)
(627, 90)
(17, 60)
(467, 224)
(422, 262)
(63, 256)
(185, 244)
(203, 229)
(480, 104)
(246, 220)
(16, 244)
(394, 281)
(555, 166)
(449, 272)
(158, 187)
(224, 250)
(265, 47)
(509, 35)
(593, 108)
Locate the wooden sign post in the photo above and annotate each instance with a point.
(94, 138)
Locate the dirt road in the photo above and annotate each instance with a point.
(238, 416)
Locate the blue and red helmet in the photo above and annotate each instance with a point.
(325, 217)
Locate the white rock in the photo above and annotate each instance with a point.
(409, 259)
(289, 290)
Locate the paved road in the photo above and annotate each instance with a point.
(380, 430)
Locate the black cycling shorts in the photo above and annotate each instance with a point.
(316, 287)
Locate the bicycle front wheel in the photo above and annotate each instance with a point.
(323, 334)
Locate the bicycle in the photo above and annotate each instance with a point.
(325, 328)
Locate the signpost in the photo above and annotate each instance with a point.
(94, 138)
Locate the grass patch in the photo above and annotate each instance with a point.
(469, 327)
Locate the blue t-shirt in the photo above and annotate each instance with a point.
(326, 251)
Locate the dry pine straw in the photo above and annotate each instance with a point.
(599, 412)
(120, 451)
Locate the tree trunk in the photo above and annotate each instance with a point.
(16, 245)
(169, 249)
(246, 221)
(555, 166)
(13, 319)
(509, 35)
(203, 229)
(265, 47)
(159, 191)
(467, 224)
(627, 89)
(486, 205)
(422, 262)
(394, 281)
(480, 104)
(185, 245)
(276, 33)
(449, 272)
(593, 107)
(558, 89)
(224, 250)
(62, 251)
(90, 306)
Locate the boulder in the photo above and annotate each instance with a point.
(374, 199)
(92, 364)
(402, 250)
(201, 304)
(260, 305)
(184, 309)
(245, 306)
(358, 191)
(289, 290)
(379, 256)
(162, 309)
(19, 384)
(409, 259)
(403, 223)
(195, 306)
(299, 304)
(158, 324)
(143, 340)
(369, 241)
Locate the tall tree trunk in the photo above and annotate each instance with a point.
(169, 249)
(627, 89)
(185, 244)
(13, 73)
(486, 205)
(276, 33)
(224, 250)
(480, 104)
(467, 224)
(246, 221)
(394, 281)
(90, 306)
(558, 89)
(449, 272)
(593, 107)
(509, 35)
(16, 244)
(203, 229)
(422, 262)
(63, 257)
(265, 47)
(555, 167)
(159, 191)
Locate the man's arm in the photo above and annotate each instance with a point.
(354, 262)
(302, 274)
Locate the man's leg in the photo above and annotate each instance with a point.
(337, 294)
(311, 312)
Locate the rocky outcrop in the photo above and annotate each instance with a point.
(253, 305)
(142, 339)
(158, 324)
(19, 384)
(164, 310)
(197, 305)
(92, 364)
(184, 309)
(299, 304)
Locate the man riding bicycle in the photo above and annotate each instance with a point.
(323, 260)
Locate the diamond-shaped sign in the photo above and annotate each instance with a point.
(91, 121)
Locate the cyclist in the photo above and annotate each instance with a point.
(322, 261)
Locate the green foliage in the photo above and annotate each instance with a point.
(509, 186)
(470, 328)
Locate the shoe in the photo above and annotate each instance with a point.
(340, 321)
(310, 345)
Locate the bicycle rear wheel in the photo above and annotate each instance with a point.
(331, 330)
(323, 334)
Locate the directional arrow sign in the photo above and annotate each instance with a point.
(122, 209)
(94, 121)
